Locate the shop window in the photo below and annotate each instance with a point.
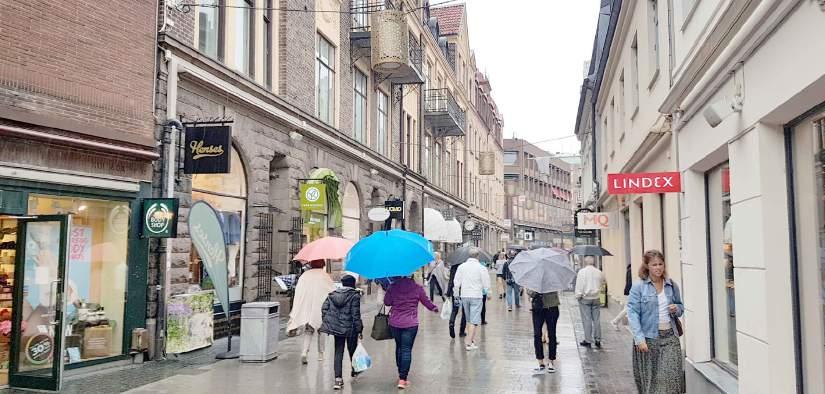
(96, 267)
(723, 289)
(227, 194)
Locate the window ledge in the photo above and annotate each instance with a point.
(635, 112)
(621, 137)
(717, 376)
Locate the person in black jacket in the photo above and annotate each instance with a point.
(342, 319)
(456, 305)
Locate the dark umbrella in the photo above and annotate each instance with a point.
(590, 250)
(461, 255)
(516, 247)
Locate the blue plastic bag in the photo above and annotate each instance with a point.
(361, 360)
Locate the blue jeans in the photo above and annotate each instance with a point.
(404, 340)
(512, 292)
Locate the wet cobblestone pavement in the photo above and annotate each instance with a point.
(503, 364)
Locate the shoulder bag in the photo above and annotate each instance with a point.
(381, 326)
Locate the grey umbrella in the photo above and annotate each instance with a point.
(543, 270)
(590, 250)
(461, 255)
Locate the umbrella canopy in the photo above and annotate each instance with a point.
(590, 250)
(389, 253)
(542, 270)
(516, 247)
(332, 248)
(461, 255)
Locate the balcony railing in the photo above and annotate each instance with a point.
(445, 116)
(360, 11)
(416, 55)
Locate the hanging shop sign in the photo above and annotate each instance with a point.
(652, 182)
(396, 208)
(208, 150)
(314, 197)
(160, 218)
(579, 232)
(209, 240)
(594, 220)
(378, 214)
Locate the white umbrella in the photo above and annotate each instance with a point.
(543, 270)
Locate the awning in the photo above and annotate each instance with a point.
(454, 232)
(435, 227)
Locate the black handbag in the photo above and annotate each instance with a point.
(381, 326)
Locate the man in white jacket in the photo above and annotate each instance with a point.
(588, 286)
(472, 284)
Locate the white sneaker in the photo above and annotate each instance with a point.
(551, 368)
(471, 346)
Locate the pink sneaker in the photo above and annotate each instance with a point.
(403, 384)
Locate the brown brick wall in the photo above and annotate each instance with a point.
(91, 61)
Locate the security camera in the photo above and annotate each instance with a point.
(717, 112)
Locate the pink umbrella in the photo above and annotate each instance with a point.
(331, 248)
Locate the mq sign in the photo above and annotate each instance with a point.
(643, 183)
(594, 221)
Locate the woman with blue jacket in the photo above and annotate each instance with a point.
(653, 308)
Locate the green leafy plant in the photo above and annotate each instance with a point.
(333, 200)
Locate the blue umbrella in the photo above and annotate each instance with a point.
(389, 253)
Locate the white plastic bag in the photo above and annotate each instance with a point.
(446, 310)
(361, 361)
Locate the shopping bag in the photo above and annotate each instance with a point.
(446, 310)
(361, 360)
(381, 326)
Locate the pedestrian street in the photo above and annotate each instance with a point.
(503, 364)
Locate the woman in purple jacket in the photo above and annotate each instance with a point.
(403, 296)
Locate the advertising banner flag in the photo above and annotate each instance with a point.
(314, 197)
(208, 238)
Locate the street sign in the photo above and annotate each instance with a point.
(378, 214)
(643, 183)
(580, 233)
(160, 218)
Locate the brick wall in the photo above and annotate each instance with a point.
(89, 61)
(297, 54)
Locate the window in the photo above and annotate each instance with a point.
(359, 99)
(427, 68)
(360, 15)
(437, 164)
(426, 162)
(653, 37)
(268, 44)
(244, 46)
(209, 28)
(325, 81)
(720, 228)
(510, 158)
(97, 268)
(634, 74)
(448, 172)
(383, 120)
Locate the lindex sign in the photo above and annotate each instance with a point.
(644, 183)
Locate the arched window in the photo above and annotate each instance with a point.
(227, 193)
(351, 210)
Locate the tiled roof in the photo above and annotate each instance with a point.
(449, 18)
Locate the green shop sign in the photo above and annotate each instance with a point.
(314, 197)
(160, 217)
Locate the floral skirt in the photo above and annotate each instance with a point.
(661, 370)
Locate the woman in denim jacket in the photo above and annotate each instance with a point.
(653, 307)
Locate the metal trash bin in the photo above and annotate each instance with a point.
(260, 323)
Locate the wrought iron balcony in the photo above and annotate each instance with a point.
(360, 11)
(444, 115)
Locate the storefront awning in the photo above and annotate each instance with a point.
(454, 233)
(435, 227)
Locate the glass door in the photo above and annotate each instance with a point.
(37, 334)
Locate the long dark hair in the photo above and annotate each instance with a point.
(644, 270)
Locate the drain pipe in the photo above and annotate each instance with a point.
(171, 128)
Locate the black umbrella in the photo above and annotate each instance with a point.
(461, 255)
(590, 250)
(516, 247)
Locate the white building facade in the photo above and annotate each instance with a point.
(732, 95)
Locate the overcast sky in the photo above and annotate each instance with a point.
(534, 53)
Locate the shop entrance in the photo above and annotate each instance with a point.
(33, 254)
